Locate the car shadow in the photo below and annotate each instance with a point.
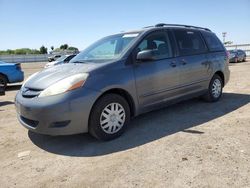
(5, 103)
(13, 87)
(144, 128)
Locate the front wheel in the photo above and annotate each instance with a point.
(109, 117)
(215, 89)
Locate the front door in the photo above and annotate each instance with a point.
(156, 80)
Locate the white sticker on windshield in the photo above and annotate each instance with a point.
(130, 35)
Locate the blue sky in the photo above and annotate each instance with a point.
(32, 23)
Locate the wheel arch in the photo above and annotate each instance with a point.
(2, 74)
(123, 93)
(221, 75)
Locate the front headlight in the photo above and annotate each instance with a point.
(66, 84)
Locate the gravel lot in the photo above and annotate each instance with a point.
(190, 144)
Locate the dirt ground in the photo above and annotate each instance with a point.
(190, 144)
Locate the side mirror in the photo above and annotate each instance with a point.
(146, 55)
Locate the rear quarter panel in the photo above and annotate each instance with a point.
(13, 75)
(219, 62)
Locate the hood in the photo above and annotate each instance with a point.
(51, 75)
(57, 62)
(53, 63)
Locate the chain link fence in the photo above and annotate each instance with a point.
(24, 58)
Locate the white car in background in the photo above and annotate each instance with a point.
(63, 59)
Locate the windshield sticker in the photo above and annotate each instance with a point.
(130, 35)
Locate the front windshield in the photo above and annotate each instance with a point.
(107, 49)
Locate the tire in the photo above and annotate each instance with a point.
(244, 59)
(103, 123)
(215, 89)
(3, 81)
(236, 60)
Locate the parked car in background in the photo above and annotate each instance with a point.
(10, 73)
(122, 76)
(53, 57)
(237, 56)
(63, 59)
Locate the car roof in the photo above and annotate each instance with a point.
(236, 50)
(163, 25)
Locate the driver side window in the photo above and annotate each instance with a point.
(159, 43)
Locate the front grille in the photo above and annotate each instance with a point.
(30, 92)
(29, 122)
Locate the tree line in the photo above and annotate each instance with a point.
(42, 50)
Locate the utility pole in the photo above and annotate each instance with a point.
(224, 36)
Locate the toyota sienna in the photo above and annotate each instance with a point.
(122, 76)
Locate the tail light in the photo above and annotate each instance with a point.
(18, 66)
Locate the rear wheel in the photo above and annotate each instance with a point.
(3, 81)
(109, 117)
(236, 60)
(244, 59)
(215, 89)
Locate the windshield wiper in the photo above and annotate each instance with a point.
(80, 61)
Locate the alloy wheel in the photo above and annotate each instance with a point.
(216, 88)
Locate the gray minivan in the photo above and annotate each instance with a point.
(122, 76)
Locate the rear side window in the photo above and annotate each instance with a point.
(189, 42)
(213, 42)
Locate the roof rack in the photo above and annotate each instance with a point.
(180, 25)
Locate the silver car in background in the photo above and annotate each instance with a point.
(61, 60)
(122, 76)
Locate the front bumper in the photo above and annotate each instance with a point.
(62, 114)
